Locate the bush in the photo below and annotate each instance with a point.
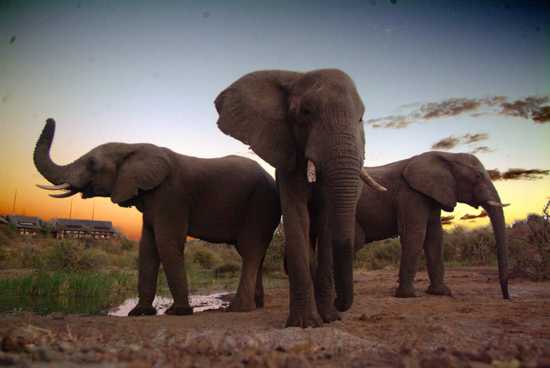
(274, 257)
(378, 255)
(205, 258)
(529, 246)
(228, 269)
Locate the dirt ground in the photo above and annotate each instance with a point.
(474, 328)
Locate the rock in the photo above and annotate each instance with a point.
(17, 338)
(8, 359)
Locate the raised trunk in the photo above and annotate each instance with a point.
(50, 170)
(344, 191)
(496, 214)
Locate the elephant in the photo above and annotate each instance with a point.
(418, 188)
(308, 125)
(221, 200)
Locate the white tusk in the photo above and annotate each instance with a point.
(64, 195)
(311, 172)
(496, 204)
(370, 181)
(54, 187)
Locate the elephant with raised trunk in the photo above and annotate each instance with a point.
(221, 200)
(418, 188)
(309, 127)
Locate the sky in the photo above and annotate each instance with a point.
(462, 76)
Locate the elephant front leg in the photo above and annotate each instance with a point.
(170, 241)
(148, 267)
(433, 248)
(294, 194)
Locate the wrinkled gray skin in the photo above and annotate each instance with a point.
(290, 119)
(418, 188)
(221, 200)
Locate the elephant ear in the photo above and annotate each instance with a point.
(430, 174)
(254, 110)
(142, 170)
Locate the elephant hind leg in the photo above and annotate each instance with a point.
(259, 293)
(249, 293)
(433, 248)
(412, 231)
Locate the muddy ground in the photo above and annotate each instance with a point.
(474, 328)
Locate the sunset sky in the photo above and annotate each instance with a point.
(461, 76)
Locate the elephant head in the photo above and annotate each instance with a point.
(307, 124)
(117, 170)
(449, 178)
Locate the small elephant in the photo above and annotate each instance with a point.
(221, 200)
(418, 188)
(309, 127)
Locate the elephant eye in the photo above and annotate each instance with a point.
(93, 164)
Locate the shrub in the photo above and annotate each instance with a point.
(529, 245)
(205, 258)
(378, 255)
(274, 257)
(227, 269)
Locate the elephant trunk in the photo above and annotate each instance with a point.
(496, 214)
(54, 173)
(343, 179)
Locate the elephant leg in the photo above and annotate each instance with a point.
(259, 293)
(148, 267)
(433, 248)
(412, 232)
(252, 255)
(170, 238)
(294, 195)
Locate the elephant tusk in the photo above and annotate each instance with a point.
(496, 204)
(311, 172)
(54, 187)
(64, 195)
(370, 181)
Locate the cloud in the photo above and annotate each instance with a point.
(518, 174)
(481, 149)
(528, 108)
(531, 108)
(447, 220)
(451, 142)
(469, 216)
(446, 143)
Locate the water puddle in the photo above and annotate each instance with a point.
(200, 303)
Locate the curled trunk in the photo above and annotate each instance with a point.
(496, 214)
(50, 170)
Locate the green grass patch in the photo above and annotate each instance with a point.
(68, 292)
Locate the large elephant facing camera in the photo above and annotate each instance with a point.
(228, 200)
(418, 188)
(309, 127)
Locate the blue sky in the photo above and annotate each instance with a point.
(149, 71)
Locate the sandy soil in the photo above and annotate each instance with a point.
(474, 328)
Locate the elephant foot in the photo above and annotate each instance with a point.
(140, 310)
(179, 310)
(439, 290)
(237, 305)
(302, 320)
(405, 292)
(329, 313)
(259, 300)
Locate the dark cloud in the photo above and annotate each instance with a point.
(452, 141)
(527, 108)
(518, 174)
(532, 108)
(446, 143)
(447, 220)
(469, 216)
(481, 149)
